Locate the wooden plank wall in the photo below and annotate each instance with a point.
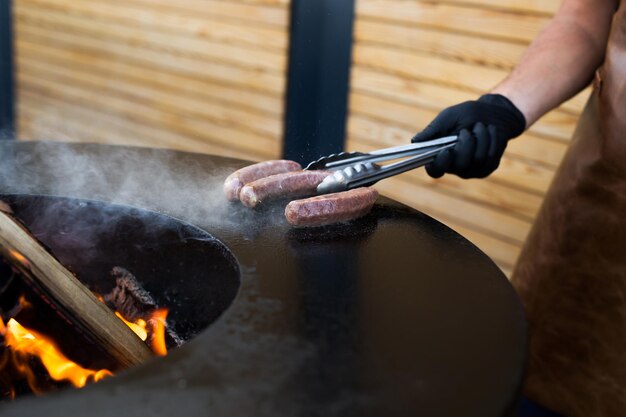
(411, 59)
(199, 75)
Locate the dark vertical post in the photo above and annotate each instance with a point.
(318, 77)
(7, 102)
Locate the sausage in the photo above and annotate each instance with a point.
(235, 181)
(331, 208)
(285, 185)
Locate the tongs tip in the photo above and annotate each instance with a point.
(334, 161)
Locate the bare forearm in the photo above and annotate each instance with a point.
(561, 60)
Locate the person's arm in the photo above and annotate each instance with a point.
(558, 64)
(561, 60)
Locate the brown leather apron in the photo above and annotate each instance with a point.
(572, 271)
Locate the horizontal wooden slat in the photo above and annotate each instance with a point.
(456, 211)
(410, 64)
(195, 75)
(143, 76)
(533, 149)
(256, 14)
(140, 113)
(444, 72)
(172, 21)
(502, 252)
(546, 7)
(492, 52)
(523, 175)
(41, 118)
(520, 204)
(95, 84)
(557, 125)
(277, 3)
(201, 70)
(150, 38)
(412, 118)
(454, 18)
(417, 91)
(147, 77)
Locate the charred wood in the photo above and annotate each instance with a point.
(132, 300)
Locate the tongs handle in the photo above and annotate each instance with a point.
(345, 159)
(397, 168)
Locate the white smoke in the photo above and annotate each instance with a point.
(179, 184)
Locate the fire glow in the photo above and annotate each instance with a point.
(152, 330)
(23, 344)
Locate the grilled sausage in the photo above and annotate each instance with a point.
(286, 185)
(331, 208)
(235, 181)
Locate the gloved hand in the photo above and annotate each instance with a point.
(484, 127)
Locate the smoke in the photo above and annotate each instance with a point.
(178, 184)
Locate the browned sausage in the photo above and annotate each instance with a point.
(331, 208)
(285, 185)
(239, 178)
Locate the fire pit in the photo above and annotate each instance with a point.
(182, 268)
(393, 314)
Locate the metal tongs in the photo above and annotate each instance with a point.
(358, 169)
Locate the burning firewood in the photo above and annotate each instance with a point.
(129, 297)
(132, 301)
(59, 287)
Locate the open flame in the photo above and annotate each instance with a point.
(23, 344)
(153, 327)
(157, 324)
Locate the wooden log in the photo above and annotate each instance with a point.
(43, 272)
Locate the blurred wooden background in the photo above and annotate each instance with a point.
(198, 75)
(210, 76)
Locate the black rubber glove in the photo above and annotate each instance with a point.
(484, 127)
